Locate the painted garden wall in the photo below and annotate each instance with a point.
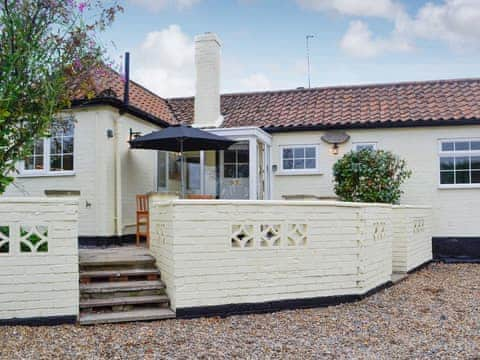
(38, 258)
(217, 252)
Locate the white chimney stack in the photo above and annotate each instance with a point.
(207, 97)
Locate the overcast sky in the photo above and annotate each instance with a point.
(356, 41)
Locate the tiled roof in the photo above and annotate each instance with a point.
(110, 85)
(410, 103)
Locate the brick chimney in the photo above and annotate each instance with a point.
(207, 96)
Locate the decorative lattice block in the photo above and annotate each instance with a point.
(242, 236)
(270, 235)
(379, 231)
(418, 225)
(297, 234)
(4, 239)
(33, 238)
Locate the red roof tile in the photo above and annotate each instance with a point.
(344, 106)
(109, 84)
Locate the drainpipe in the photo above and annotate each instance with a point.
(117, 159)
(118, 180)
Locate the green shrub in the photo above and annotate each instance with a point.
(370, 176)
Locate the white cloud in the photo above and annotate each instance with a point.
(164, 63)
(157, 5)
(377, 8)
(256, 82)
(359, 41)
(452, 21)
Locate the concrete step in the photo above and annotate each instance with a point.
(126, 300)
(120, 273)
(115, 257)
(126, 316)
(121, 286)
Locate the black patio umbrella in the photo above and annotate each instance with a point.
(180, 138)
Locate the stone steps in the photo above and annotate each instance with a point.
(121, 285)
(121, 301)
(127, 316)
(121, 273)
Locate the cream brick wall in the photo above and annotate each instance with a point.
(36, 284)
(347, 250)
(412, 229)
(95, 171)
(453, 209)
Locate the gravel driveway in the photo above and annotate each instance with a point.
(435, 313)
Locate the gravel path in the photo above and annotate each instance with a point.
(435, 313)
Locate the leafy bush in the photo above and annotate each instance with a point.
(370, 176)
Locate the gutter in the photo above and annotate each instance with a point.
(374, 125)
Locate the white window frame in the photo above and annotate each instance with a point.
(46, 162)
(314, 171)
(365, 143)
(453, 153)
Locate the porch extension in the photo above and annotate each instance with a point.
(121, 285)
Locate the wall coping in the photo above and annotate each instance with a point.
(39, 200)
(206, 202)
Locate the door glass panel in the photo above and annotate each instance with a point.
(235, 172)
(162, 170)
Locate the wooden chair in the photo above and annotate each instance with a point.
(143, 219)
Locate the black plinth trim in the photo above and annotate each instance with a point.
(456, 249)
(40, 321)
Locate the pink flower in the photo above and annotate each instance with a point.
(82, 6)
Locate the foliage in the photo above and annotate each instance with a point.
(44, 45)
(370, 176)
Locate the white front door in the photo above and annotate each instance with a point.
(234, 172)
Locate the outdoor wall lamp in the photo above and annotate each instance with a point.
(334, 149)
(335, 138)
(134, 134)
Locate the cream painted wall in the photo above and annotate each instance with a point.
(218, 252)
(94, 162)
(139, 169)
(39, 284)
(453, 209)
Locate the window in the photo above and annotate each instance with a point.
(54, 154)
(236, 163)
(365, 146)
(299, 158)
(460, 162)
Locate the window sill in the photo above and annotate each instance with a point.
(459, 187)
(302, 173)
(49, 174)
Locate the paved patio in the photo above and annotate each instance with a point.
(435, 313)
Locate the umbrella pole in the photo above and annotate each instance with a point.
(182, 171)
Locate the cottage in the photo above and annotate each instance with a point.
(287, 142)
